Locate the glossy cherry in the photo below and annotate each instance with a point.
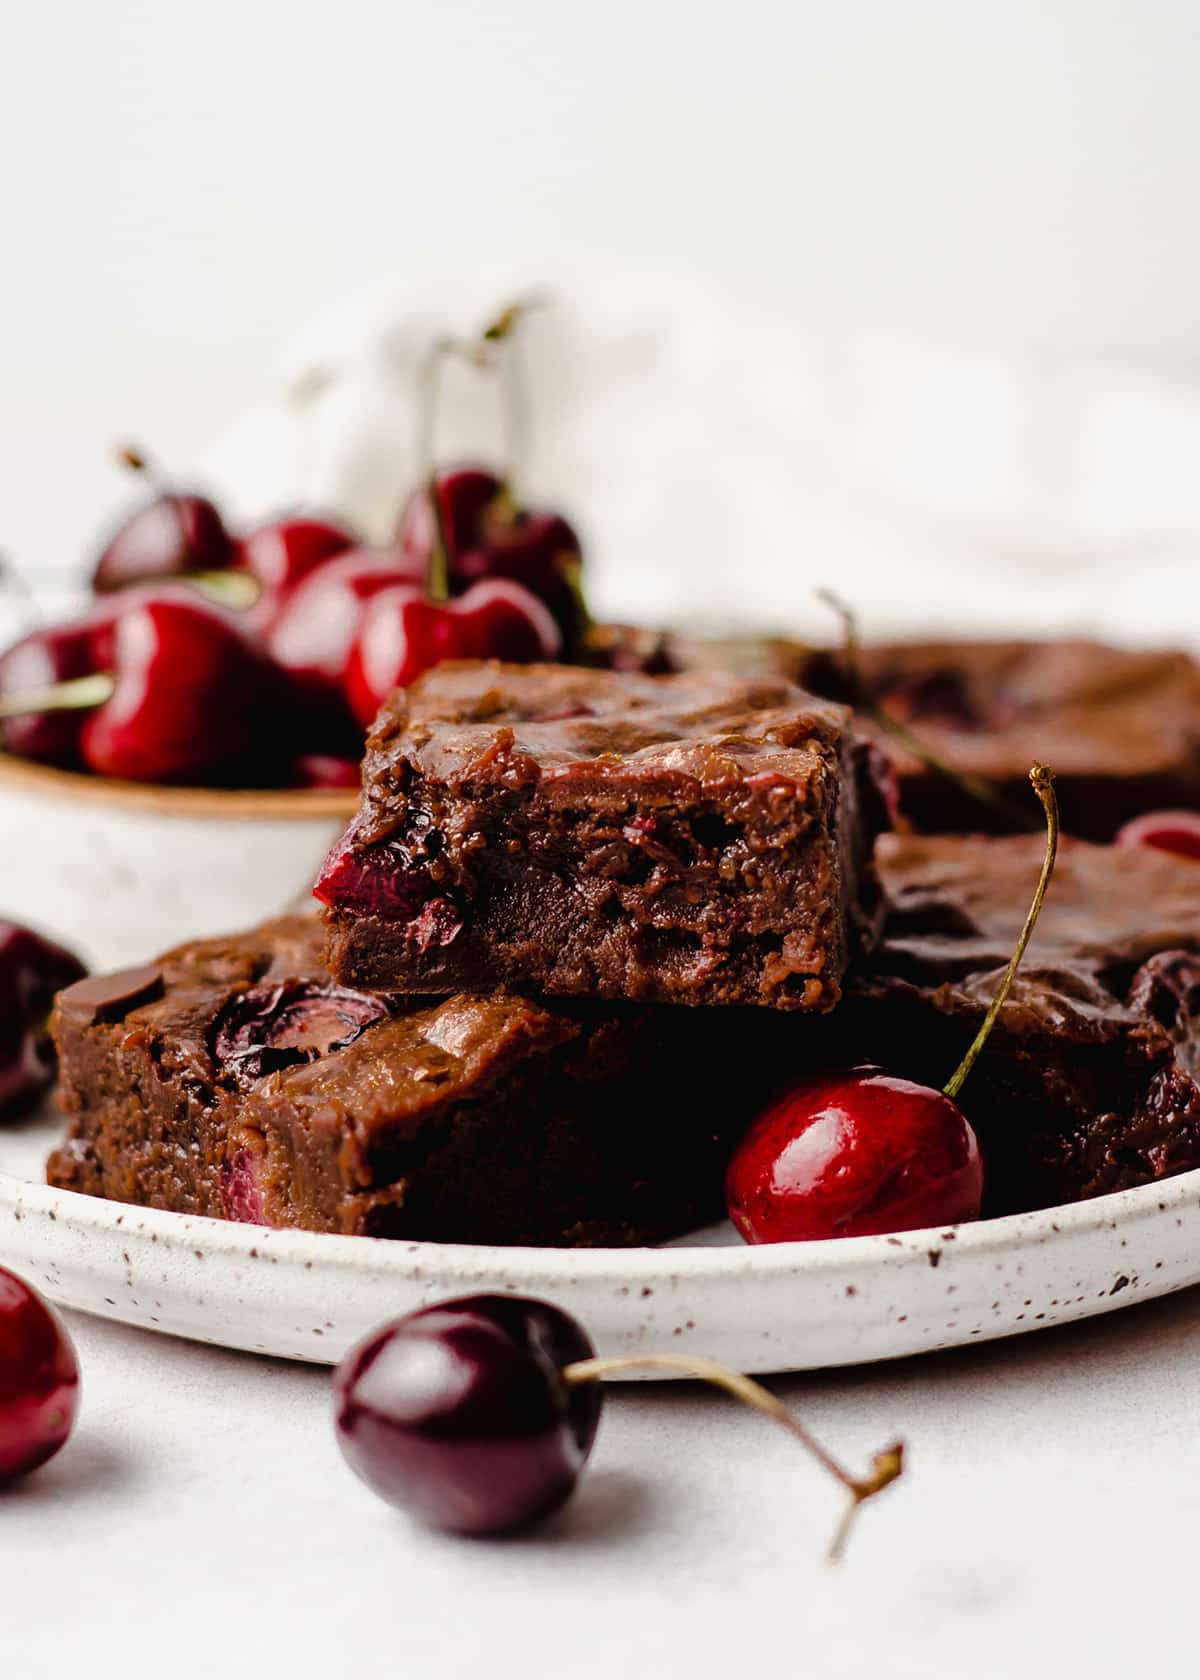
(477, 1416)
(32, 970)
(459, 1414)
(280, 555)
(541, 552)
(165, 538)
(851, 1155)
(39, 1379)
(313, 635)
(860, 1152)
(474, 505)
(192, 697)
(43, 659)
(403, 633)
(1164, 831)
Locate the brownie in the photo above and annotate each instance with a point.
(1120, 727)
(234, 1079)
(1090, 1081)
(686, 839)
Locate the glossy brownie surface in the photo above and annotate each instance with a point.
(234, 1079)
(696, 839)
(1088, 1083)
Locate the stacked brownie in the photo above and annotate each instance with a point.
(567, 929)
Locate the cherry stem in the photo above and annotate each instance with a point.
(1043, 786)
(437, 578)
(864, 700)
(514, 387)
(886, 1466)
(80, 694)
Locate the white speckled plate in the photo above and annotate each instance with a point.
(792, 1306)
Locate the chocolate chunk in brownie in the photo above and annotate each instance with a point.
(235, 1079)
(688, 839)
(1089, 1082)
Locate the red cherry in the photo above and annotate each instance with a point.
(403, 634)
(851, 1155)
(39, 1379)
(314, 633)
(282, 554)
(165, 538)
(1165, 831)
(539, 551)
(473, 502)
(192, 695)
(32, 970)
(43, 659)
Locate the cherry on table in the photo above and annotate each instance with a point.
(459, 1414)
(32, 970)
(1163, 831)
(403, 633)
(477, 1416)
(39, 1379)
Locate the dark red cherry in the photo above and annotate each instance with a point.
(165, 538)
(473, 502)
(541, 552)
(460, 1415)
(39, 1379)
(32, 970)
(280, 555)
(192, 697)
(403, 634)
(852, 1155)
(315, 631)
(1164, 831)
(43, 659)
(280, 1023)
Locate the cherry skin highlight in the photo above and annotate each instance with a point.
(41, 660)
(1164, 831)
(39, 1379)
(460, 1415)
(854, 1154)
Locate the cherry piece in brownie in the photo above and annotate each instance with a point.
(1090, 1081)
(689, 839)
(234, 1079)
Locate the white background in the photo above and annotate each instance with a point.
(185, 188)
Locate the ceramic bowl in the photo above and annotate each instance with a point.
(120, 871)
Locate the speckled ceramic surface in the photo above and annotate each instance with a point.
(792, 1306)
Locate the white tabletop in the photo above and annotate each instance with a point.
(201, 1523)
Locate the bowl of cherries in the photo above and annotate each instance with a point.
(180, 754)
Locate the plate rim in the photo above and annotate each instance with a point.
(696, 1262)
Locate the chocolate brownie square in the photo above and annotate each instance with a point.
(685, 839)
(234, 1079)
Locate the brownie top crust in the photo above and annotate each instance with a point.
(484, 719)
(1098, 960)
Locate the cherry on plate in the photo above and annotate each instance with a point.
(39, 1379)
(852, 1155)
